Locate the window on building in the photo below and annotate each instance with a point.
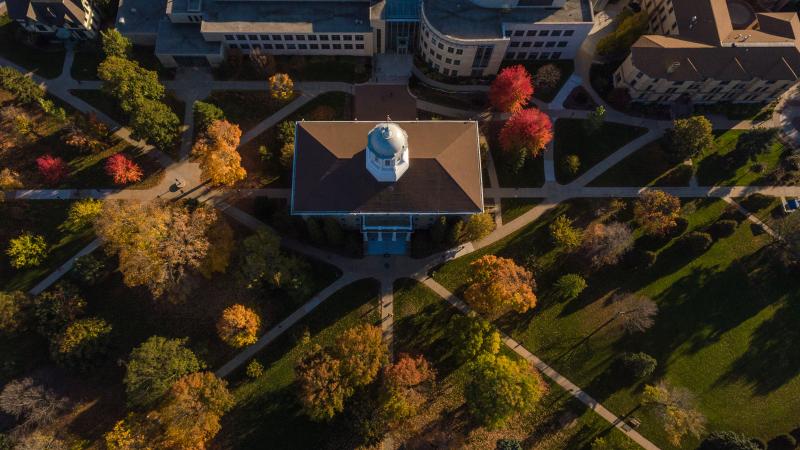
(562, 44)
(268, 46)
(312, 37)
(302, 46)
(556, 55)
(544, 32)
(440, 45)
(326, 46)
(253, 37)
(336, 37)
(439, 57)
(550, 44)
(514, 44)
(347, 37)
(359, 46)
(533, 55)
(527, 43)
(233, 46)
(291, 47)
(530, 33)
(538, 44)
(314, 46)
(522, 55)
(450, 49)
(459, 51)
(241, 37)
(278, 46)
(448, 60)
(359, 37)
(323, 37)
(545, 55)
(556, 33)
(229, 37)
(277, 37)
(337, 46)
(511, 55)
(256, 45)
(569, 32)
(288, 37)
(519, 33)
(264, 37)
(457, 62)
(244, 46)
(508, 33)
(348, 46)
(300, 37)
(431, 51)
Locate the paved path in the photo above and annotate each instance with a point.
(549, 163)
(752, 218)
(548, 371)
(64, 268)
(387, 312)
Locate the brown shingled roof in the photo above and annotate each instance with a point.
(330, 174)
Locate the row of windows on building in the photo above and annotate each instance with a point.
(533, 55)
(696, 85)
(294, 37)
(707, 97)
(537, 44)
(246, 46)
(441, 45)
(529, 33)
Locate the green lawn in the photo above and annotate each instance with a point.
(724, 316)
(725, 166)
(571, 138)
(511, 208)
(566, 67)
(267, 170)
(46, 62)
(246, 108)
(39, 218)
(651, 165)
(266, 408)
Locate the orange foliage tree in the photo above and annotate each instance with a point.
(216, 149)
(529, 129)
(498, 285)
(191, 411)
(322, 386)
(657, 212)
(281, 86)
(511, 90)
(238, 326)
(122, 170)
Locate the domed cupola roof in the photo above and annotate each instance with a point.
(387, 140)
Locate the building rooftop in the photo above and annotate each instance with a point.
(140, 16)
(52, 12)
(184, 39)
(285, 16)
(330, 174)
(708, 45)
(462, 19)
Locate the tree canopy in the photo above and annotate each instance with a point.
(675, 407)
(528, 130)
(511, 89)
(220, 162)
(498, 284)
(115, 44)
(238, 326)
(690, 137)
(657, 212)
(154, 366)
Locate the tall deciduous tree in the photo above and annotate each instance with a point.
(260, 257)
(281, 86)
(657, 212)
(405, 385)
(56, 307)
(52, 168)
(156, 122)
(158, 244)
(82, 342)
(191, 412)
(478, 227)
(690, 137)
(471, 336)
(238, 326)
(9, 180)
(32, 404)
(27, 250)
(205, 114)
(564, 234)
(675, 407)
(122, 169)
(500, 387)
(115, 44)
(216, 149)
(13, 314)
(154, 366)
(128, 82)
(498, 284)
(362, 352)
(221, 244)
(635, 312)
(323, 388)
(606, 244)
(511, 90)
(81, 214)
(528, 130)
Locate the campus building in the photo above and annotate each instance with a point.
(457, 38)
(62, 19)
(386, 179)
(709, 51)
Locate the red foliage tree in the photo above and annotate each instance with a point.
(530, 129)
(53, 169)
(511, 90)
(122, 169)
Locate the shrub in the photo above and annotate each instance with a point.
(82, 342)
(564, 234)
(89, 270)
(281, 87)
(697, 241)
(9, 180)
(205, 114)
(27, 250)
(254, 369)
(782, 442)
(53, 169)
(571, 164)
(238, 326)
(570, 286)
(723, 228)
(22, 87)
(54, 308)
(478, 227)
(13, 314)
(81, 214)
(547, 77)
(637, 365)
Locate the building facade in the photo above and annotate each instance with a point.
(386, 179)
(63, 19)
(466, 38)
(711, 51)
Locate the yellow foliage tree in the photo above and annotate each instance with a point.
(190, 414)
(657, 212)
(362, 352)
(222, 242)
(238, 326)
(281, 86)
(499, 284)
(216, 149)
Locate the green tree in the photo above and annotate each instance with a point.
(631, 27)
(81, 214)
(156, 122)
(595, 121)
(500, 387)
(508, 444)
(205, 114)
(690, 137)
(323, 389)
(89, 269)
(564, 234)
(13, 312)
(115, 44)
(571, 164)
(569, 286)
(478, 226)
(27, 250)
(638, 365)
(24, 88)
(56, 307)
(471, 336)
(81, 343)
(455, 234)
(362, 352)
(259, 258)
(153, 366)
(129, 83)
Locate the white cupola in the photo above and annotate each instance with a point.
(387, 152)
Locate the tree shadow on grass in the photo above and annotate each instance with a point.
(425, 333)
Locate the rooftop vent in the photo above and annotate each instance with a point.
(673, 67)
(692, 22)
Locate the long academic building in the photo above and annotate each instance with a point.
(708, 51)
(456, 37)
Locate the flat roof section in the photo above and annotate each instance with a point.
(462, 19)
(178, 39)
(443, 177)
(140, 16)
(285, 17)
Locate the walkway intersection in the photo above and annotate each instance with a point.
(386, 270)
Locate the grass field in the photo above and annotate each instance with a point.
(723, 167)
(723, 314)
(571, 138)
(651, 165)
(511, 208)
(266, 408)
(246, 108)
